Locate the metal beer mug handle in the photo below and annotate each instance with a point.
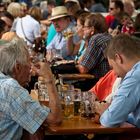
(36, 86)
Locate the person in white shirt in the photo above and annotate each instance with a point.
(28, 27)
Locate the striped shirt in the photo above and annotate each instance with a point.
(94, 59)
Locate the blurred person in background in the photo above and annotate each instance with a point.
(8, 18)
(93, 60)
(51, 32)
(103, 88)
(137, 26)
(115, 9)
(125, 25)
(137, 5)
(8, 36)
(129, 8)
(2, 7)
(14, 8)
(28, 27)
(97, 7)
(28, 2)
(2, 27)
(137, 23)
(64, 39)
(72, 6)
(24, 9)
(80, 33)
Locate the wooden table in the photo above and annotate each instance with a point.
(76, 76)
(72, 78)
(87, 126)
(81, 125)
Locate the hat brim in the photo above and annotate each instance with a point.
(56, 17)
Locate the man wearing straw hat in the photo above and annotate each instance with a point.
(64, 39)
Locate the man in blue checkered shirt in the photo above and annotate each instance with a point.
(18, 110)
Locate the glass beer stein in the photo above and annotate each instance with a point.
(43, 96)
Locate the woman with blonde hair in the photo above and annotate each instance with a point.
(14, 9)
(24, 9)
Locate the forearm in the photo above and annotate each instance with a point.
(46, 22)
(82, 69)
(54, 116)
(100, 107)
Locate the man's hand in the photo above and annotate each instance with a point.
(43, 69)
(100, 107)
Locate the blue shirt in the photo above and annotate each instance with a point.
(60, 42)
(18, 110)
(126, 102)
(51, 34)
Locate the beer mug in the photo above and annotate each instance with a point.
(65, 93)
(57, 54)
(87, 105)
(68, 104)
(77, 102)
(42, 90)
(54, 55)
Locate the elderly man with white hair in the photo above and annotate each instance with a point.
(18, 110)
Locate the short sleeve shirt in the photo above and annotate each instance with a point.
(93, 58)
(29, 27)
(18, 110)
(60, 42)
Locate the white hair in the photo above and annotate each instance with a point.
(12, 52)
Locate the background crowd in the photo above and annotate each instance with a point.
(101, 37)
